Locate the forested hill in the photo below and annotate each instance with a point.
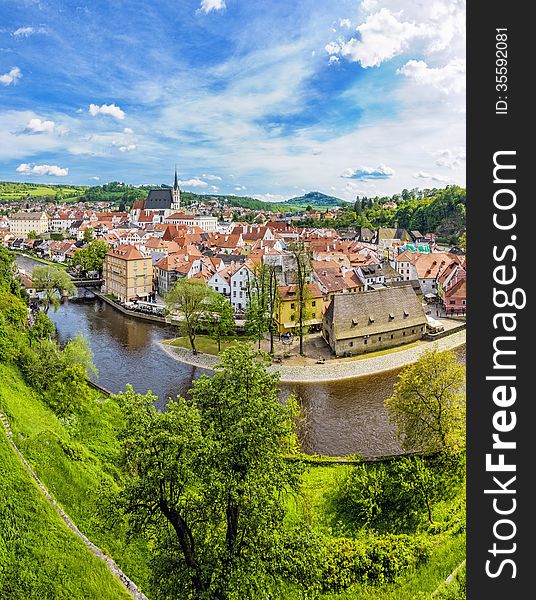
(314, 200)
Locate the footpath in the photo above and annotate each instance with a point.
(335, 369)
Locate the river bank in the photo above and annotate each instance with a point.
(333, 370)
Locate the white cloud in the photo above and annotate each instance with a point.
(195, 182)
(27, 169)
(448, 79)
(381, 37)
(345, 23)
(95, 178)
(127, 148)
(333, 60)
(11, 77)
(369, 5)
(449, 158)
(380, 172)
(431, 177)
(210, 5)
(37, 125)
(24, 31)
(211, 177)
(28, 31)
(106, 109)
(332, 48)
(128, 131)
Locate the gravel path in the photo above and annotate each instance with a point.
(333, 370)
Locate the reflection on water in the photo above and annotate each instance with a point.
(341, 418)
(125, 350)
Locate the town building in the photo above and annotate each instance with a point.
(128, 274)
(23, 223)
(373, 320)
(287, 314)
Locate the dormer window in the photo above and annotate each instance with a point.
(391, 316)
(371, 318)
(355, 322)
(406, 313)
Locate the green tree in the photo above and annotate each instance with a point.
(428, 404)
(91, 258)
(32, 235)
(42, 328)
(54, 282)
(220, 319)
(207, 479)
(189, 300)
(462, 242)
(302, 273)
(88, 235)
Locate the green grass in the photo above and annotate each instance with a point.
(75, 460)
(40, 557)
(203, 343)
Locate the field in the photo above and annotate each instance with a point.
(10, 191)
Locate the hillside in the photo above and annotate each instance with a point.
(40, 557)
(315, 200)
(11, 190)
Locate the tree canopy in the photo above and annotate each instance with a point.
(208, 478)
(428, 404)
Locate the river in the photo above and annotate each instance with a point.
(340, 418)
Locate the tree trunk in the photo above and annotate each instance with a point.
(185, 539)
(192, 343)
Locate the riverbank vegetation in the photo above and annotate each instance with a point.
(203, 501)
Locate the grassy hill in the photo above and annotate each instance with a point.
(10, 191)
(74, 459)
(40, 557)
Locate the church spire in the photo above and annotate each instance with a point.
(176, 184)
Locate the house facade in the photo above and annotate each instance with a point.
(128, 274)
(22, 223)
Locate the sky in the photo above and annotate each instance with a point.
(265, 98)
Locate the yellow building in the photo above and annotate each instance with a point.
(128, 275)
(287, 316)
(22, 223)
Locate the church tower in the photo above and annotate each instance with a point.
(176, 195)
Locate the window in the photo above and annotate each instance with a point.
(392, 336)
(292, 305)
(234, 294)
(292, 317)
(313, 303)
(365, 342)
(217, 289)
(351, 344)
(452, 302)
(403, 333)
(379, 338)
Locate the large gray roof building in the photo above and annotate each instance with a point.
(374, 320)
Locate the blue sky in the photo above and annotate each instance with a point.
(267, 98)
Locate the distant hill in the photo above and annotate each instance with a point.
(315, 200)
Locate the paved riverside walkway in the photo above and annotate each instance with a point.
(334, 369)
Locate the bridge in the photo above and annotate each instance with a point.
(88, 283)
